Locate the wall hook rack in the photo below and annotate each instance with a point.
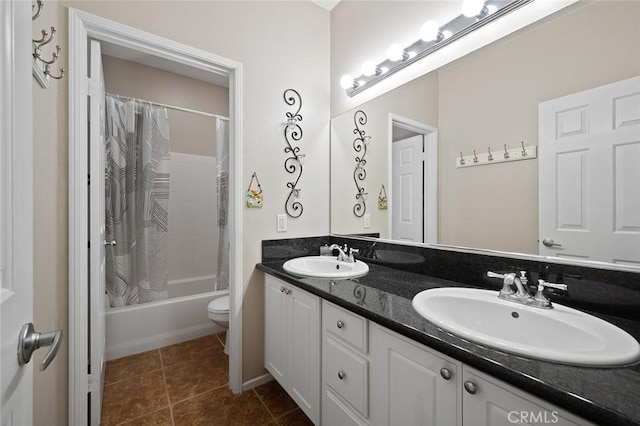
(514, 154)
(360, 173)
(41, 65)
(293, 164)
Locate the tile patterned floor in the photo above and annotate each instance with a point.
(186, 384)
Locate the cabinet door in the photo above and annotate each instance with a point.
(275, 341)
(409, 386)
(304, 356)
(495, 403)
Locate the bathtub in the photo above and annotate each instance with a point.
(183, 316)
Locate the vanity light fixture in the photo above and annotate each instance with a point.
(474, 14)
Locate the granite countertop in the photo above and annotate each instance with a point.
(601, 395)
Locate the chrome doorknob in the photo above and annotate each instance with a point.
(548, 242)
(110, 243)
(30, 341)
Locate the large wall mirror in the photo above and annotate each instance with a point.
(500, 96)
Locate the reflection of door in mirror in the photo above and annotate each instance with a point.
(413, 176)
(590, 174)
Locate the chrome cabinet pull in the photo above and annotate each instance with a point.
(110, 243)
(341, 375)
(470, 387)
(445, 373)
(339, 324)
(281, 289)
(287, 291)
(548, 242)
(30, 341)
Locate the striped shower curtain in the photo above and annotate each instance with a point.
(137, 197)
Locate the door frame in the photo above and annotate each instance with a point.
(83, 26)
(430, 176)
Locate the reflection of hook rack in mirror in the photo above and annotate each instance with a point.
(515, 154)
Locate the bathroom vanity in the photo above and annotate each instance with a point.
(355, 352)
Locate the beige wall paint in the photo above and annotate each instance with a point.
(190, 133)
(491, 97)
(281, 45)
(416, 100)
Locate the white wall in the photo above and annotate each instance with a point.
(193, 207)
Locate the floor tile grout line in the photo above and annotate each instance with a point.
(289, 412)
(139, 417)
(166, 388)
(264, 404)
(133, 377)
(198, 394)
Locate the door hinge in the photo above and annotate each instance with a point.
(92, 87)
(92, 382)
(89, 180)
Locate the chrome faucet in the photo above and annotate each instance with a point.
(345, 254)
(521, 293)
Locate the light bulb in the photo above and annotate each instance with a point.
(471, 8)
(395, 52)
(429, 31)
(447, 34)
(346, 81)
(368, 68)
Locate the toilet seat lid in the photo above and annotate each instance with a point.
(219, 304)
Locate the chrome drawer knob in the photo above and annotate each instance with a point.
(339, 324)
(341, 375)
(470, 387)
(445, 373)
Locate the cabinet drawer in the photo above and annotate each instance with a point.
(334, 413)
(347, 374)
(349, 327)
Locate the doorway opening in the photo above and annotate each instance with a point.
(86, 313)
(413, 173)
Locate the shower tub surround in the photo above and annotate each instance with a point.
(193, 251)
(398, 272)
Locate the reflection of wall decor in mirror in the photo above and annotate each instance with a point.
(514, 154)
(433, 36)
(493, 97)
(382, 199)
(254, 193)
(41, 65)
(293, 164)
(360, 173)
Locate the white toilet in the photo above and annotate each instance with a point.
(218, 311)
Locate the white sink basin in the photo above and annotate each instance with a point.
(560, 334)
(325, 267)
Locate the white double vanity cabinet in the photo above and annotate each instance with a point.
(342, 369)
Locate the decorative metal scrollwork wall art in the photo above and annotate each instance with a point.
(42, 65)
(360, 173)
(293, 164)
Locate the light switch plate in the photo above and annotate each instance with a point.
(366, 221)
(281, 223)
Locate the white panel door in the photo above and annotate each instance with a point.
(16, 209)
(275, 330)
(407, 189)
(97, 296)
(410, 388)
(304, 353)
(589, 174)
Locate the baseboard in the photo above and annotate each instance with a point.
(257, 381)
(148, 343)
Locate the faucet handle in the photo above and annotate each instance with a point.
(542, 284)
(542, 300)
(496, 275)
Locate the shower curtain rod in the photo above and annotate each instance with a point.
(177, 108)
